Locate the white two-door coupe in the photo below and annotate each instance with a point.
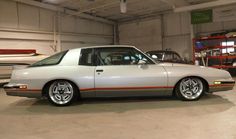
(113, 71)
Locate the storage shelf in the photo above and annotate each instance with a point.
(213, 47)
(211, 43)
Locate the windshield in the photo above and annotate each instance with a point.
(52, 60)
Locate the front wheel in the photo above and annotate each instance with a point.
(62, 93)
(190, 88)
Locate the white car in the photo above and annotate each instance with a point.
(113, 71)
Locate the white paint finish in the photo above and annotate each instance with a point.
(172, 24)
(72, 45)
(80, 25)
(17, 35)
(229, 25)
(108, 29)
(146, 35)
(93, 27)
(68, 23)
(150, 75)
(224, 13)
(176, 24)
(185, 19)
(28, 17)
(47, 20)
(210, 27)
(180, 44)
(8, 14)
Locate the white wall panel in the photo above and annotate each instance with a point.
(108, 29)
(185, 19)
(8, 14)
(210, 27)
(68, 24)
(172, 24)
(81, 25)
(47, 20)
(180, 44)
(35, 29)
(28, 17)
(176, 23)
(94, 27)
(145, 35)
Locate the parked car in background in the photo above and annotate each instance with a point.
(166, 56)
(113, 71)
(12, 57)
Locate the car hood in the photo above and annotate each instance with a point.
(166, 64)
(197, 69)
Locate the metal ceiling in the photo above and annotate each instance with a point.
(110, 9)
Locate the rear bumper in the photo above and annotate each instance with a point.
(21, 91)
(222, 85)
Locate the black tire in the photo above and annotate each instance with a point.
(180, 95)
(73, 97)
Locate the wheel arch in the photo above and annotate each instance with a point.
(201, 78)
(44, 90)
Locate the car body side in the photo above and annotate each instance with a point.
(36, 78)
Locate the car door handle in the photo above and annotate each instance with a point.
(99, 70)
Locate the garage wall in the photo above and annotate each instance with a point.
(147, 34)
(215, 27)
(27, 27)
(144, 34)
(177, 33)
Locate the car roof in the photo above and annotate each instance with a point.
(105, 46)
(161, 51)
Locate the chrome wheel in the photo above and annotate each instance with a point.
(191, 88)
(61, 92)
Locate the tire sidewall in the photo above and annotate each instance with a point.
(181, 97)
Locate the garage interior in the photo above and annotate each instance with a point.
(51, 26)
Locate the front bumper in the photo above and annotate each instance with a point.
(222, 85)
(22, 91)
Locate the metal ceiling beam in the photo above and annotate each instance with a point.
(205, 5)
(97, 5)
(63, 10)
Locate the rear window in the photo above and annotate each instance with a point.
(52, 60)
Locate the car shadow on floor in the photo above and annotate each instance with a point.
(212, 102)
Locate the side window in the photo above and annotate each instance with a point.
(120, 56)
(176, 57)
(168, 57)
(52, 60)
(86, 57)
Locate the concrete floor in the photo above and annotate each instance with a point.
(214, 116)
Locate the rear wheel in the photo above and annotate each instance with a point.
(62, 93)
(190, 88)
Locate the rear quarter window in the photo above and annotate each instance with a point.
(52, 60)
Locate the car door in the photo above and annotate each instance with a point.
(126, 71)
(85, 72)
